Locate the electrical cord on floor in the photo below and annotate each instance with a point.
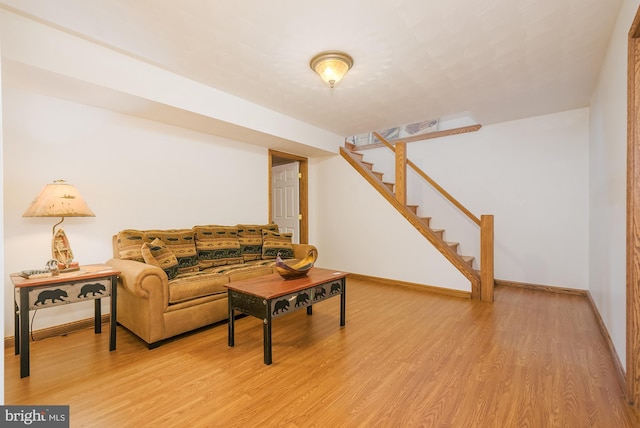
(31, 328)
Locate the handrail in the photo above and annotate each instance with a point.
(431, 181)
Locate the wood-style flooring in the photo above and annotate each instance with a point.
(406, 358)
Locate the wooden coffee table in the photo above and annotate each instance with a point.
(271, 296)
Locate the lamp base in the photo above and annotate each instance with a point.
(61, 251)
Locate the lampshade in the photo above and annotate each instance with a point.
(331, 66)
(59, 199)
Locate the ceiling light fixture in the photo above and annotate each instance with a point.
(331, 66)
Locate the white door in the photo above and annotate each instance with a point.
(286, 199)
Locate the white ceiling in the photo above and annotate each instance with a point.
(491, 60)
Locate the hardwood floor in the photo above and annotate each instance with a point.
(405, 358)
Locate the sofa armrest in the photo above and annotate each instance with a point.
(300, 251)
(141, 279)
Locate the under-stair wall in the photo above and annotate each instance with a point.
(482, 281)
(363, 234)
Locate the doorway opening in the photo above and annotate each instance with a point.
(288, 192)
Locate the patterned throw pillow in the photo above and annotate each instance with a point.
(157, 254)
(181, 243)
(129, 243)
(250, 238)
(217, 246)
(274, 242)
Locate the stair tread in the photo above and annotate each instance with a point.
(467, 258)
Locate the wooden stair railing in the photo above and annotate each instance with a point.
(482, 282)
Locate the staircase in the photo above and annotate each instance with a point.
(393, 193)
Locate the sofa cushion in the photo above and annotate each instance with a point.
(244, 270)
(274, 243)
(271, 263)
(248, 272)
(217, 245)
(181, 243)
(250, 238)
(130, 243)
(156, 253)
(192, 285)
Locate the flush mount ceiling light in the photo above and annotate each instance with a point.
(331, 66)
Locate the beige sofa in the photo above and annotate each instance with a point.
(172, 281)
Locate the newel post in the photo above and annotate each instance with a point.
(486, 258)
(401, 173)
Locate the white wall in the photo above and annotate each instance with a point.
(607, 162)
(133, 173)
(531, 174)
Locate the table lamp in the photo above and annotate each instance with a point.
(60, 199)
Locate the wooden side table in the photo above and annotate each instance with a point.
(91, 282)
